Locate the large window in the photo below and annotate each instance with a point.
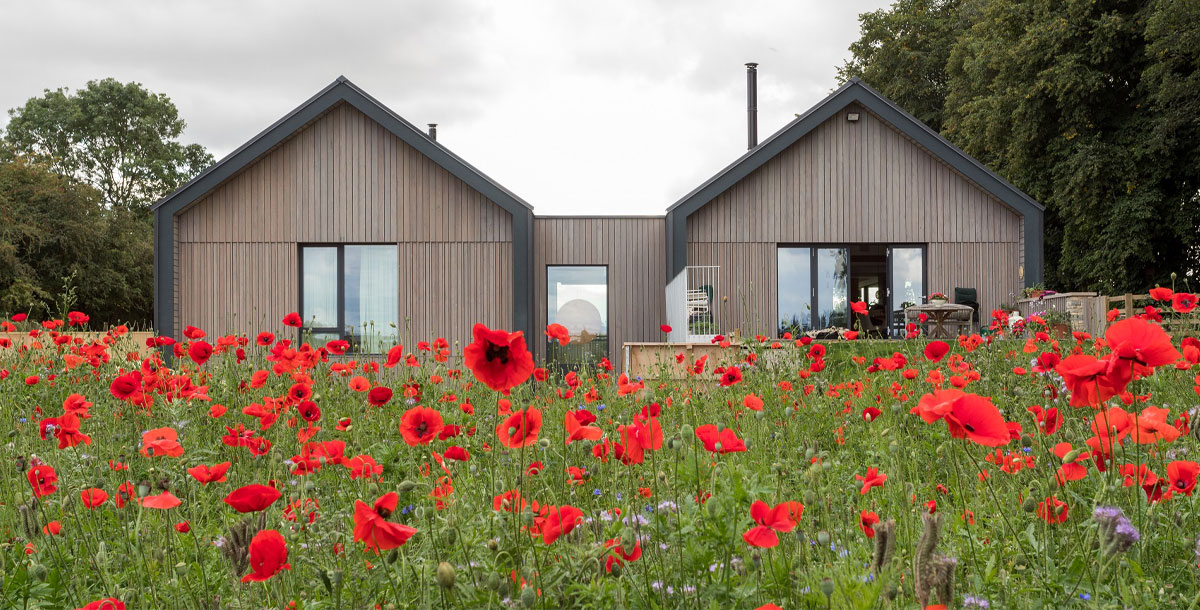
(350, 292)
(577, 298)
(795, 290)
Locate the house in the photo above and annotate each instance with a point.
(376, 233)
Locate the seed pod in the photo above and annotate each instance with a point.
(406, 486)
(544, 443)
(823, 537)
(445, 575)
(827, 587)
(528, 597)
(493, 581)
(1029, 505)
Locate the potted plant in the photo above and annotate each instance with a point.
(938, 298)
(1059, 323)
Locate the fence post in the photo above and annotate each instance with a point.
(1128, 305)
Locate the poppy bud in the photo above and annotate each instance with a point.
(756, 559)
(181, 569)
(1173, 276)
(527, 517)
(810, 453)
(451, 536)
(615, 568)
(720, 426)
(759, 415)
(894, 447)
(827, 587)
(686, 431)
(544, 443)
(39, 572)
(528, 597)
(809, 497)
(102, 553)
(373, 488)
(1070, 456)
(406, 486)
(336, 577)
(748, 443)
(1026, 441)
(310, 485)
(1029, 505)
(788, 411)
(445, 575)
(393, 556)
(419, 512)
(823, 537)
(493, 581)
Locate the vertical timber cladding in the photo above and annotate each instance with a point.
(344, 179)
(633, 248)
(854, 182)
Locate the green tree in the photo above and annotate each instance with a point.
(903, 51)
(117, 137)
(1088, 106)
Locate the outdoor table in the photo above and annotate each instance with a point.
(938, 315)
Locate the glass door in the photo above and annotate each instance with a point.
(832, 284)
(906, 275)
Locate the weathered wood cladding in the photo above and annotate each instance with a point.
(854, 182)
(634, 249)
(343, 179)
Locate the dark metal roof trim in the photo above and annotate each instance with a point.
(855, 90)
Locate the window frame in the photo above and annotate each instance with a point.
(607, 301)
(340, 330)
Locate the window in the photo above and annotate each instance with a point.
(577, 298)
(795, 290)
(351, 293)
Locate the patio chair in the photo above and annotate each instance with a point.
(969, 297)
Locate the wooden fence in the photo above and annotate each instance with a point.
(1089, 311)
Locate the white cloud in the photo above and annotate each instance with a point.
(613, 108)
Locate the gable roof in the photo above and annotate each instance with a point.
(857, 91)
(340, 90)
(852, 91)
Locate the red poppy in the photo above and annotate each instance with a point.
(753, 402)
(782, 518)
(372, 527)
(873, 478)
(1088, 380)
(977, 419)
(558, 332)
(252, 498)
(183, 527)
(1151, 426)
(93, 497)
(268, 556)
(723, 441)
(265, 338)
(555, 521)
(394, 356)
(666, 328)
(731, 376)
(1183, 302)
(859, 307)
(578, 429)
(127, 387)
(161, 441)
(498, 358)
(379, 396)
(200, 352)
(42, 478)
(293, 319)
(206, 475)
(1052, 510)
(1160, 294)
(520, 429)
(935, 406)
(1182, 476)
(620, 555)
(1143, 344)
(866, 519)
(420, 425)
(309, 411)
(162, 501)
(108, 603)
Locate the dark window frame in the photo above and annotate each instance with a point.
(814, 246)
(607, 301)
(340, 330)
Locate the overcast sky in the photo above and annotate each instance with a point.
(577, 107)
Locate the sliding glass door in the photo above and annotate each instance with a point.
(906, 270)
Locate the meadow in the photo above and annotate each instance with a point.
(1012, 470)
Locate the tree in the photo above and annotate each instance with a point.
(117, 137)
(1088, 106)
(903, 53)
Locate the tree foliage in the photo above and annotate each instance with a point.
(117, 137)
(1091, 107)
(57, 234)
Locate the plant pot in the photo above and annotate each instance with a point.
(1060, 331)
(938, 301)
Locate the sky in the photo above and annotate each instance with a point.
(617, 107)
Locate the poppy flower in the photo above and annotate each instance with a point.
(206, 475)
(1182, 476)
(1052, 510)
(93, 497)
(666, 328)
(556, 521)
(1141, 343)
(161, 441)
(127, 387)
(265, 338)
(975, 418)
(859, 307)
(620, 555)
(731, 376)
(53, 528)
(1160, 294)
(866, 519)
(162, 501)
(935, 406)
(420, 425)
(753, 402)
(578, 429)
(1088, 380)
(520, 429)
(1183, 302)
(558, 332)
(358, 383)
(723, 441)
(42, 478)
(183, 527)
(268, 556)
(372, 527)
(771, 520)
(1151, 426)
(379, 396)
(108, 603)
(873, 478)
(252, 498)
(200, 352)
(293, 319)
(498, 358)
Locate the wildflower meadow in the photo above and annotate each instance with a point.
(1016, 468)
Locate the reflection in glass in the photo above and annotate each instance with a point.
(795, 290)
(372, 297)
(908, 287)
(320, 287)
(577, 298)
(833, 271)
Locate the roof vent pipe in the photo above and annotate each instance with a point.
(433, 131)
(751, 105)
